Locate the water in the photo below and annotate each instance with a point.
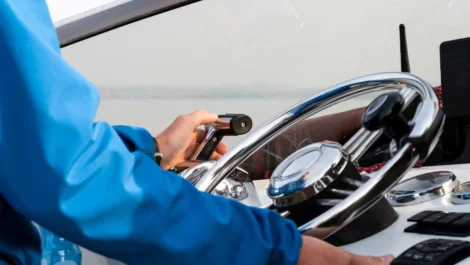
(58, 251)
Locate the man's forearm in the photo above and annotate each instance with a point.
(78, 178)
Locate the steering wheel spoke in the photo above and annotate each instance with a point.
(358, 144)
(363, 139)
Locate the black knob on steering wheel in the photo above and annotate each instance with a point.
(386, 112)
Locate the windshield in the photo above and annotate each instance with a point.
(61, 10)
(260, 57)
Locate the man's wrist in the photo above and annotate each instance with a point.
(157, 152)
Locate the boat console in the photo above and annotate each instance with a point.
(320, 188)
(366, 194)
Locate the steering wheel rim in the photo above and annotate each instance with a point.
(427, 126)
(316, 103)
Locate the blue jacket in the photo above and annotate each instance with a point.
(95, 184)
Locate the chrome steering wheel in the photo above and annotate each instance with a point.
(308, 171)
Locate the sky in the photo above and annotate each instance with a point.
(267, 43)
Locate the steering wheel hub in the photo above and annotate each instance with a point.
(307, 172)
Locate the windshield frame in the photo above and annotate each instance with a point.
(112, 16)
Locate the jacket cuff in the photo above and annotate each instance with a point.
(288, 244)
(136, 139)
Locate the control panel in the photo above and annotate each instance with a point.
(440, 223)
(435, 252)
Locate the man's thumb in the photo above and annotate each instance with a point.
(368, 260)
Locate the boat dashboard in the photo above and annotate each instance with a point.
(393, 239)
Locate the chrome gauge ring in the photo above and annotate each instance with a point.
(237, 186)
(290, 178)
(461, 194)
(422, 188)
(311, 169)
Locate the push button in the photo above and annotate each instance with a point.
(426, 249)
(429, 257)
(440, 223)
(418, 217)
(418, 256)
(462, 221)
(449, 218)
(433, 217)
(409, 254)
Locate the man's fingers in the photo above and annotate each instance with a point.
(221, 148)
(387, 259)
(318, 252)
(216, 156)
(202, 117)
(369, 260)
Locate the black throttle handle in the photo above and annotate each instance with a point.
(226, 125)
(386, 111)
(233, 124)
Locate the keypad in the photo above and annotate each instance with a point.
(434, 252)
(420, 216)
(440, 223)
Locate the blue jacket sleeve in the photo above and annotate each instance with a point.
(77, 178)
(136, 139)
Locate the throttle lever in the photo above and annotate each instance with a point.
(386, 111)
(226, 125)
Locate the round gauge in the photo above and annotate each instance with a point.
(461, 194)
(422, 188)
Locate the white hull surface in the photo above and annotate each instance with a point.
(393, 240)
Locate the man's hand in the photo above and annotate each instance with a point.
(179, 141)
(317, 252)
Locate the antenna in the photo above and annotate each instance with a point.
(405, 62)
